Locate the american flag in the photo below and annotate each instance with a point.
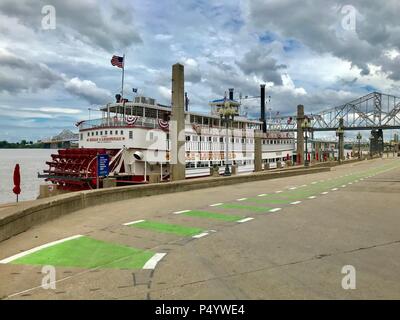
(117, 61)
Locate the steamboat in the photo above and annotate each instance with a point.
(135, 135)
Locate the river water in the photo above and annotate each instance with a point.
(31, 161)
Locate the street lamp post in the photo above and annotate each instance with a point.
(380, 140)
(339, 134)
(227, 115)
(359, 137)
(306, 128)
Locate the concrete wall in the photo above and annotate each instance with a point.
(18, 219)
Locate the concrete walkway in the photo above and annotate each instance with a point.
(285, 238)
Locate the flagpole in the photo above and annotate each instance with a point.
(123, 72)
(122, 88)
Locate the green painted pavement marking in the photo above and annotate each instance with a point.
(269, 200)
(168, 228)
(244, 207)
(213, 215)
(88, 253)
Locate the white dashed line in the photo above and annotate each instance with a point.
(334, 189)
(279, 191)
(350, 182)
(241, 199)
(245, 220)
(296, 202)
(275, 209)
(262, 195)
(326, 192)
(312, 197)
(183, 211)
(216, 204)
(133, 222)
(293, 188)
(315, 182)
(200, 235)
(152, 263)
(344, 186)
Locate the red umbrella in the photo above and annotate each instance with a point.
(17, 181)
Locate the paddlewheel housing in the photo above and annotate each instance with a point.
(76, 169)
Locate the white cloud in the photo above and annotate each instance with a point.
(87, 90)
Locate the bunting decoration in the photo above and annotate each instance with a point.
(163, 124)
(130, 120)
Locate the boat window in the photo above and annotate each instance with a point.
(101, 133)
(130, 134)
(97, 133)
(106, 132)
(116, 132)
(122, 132)
(81, 136)
(151, 113)
(187, 138)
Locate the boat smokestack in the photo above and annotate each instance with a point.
(231, 94)
(264, 124)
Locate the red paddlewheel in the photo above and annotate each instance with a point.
(75, 169)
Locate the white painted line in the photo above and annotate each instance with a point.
(293, 188)
(362, 179)
(275, 209)
(334, 189)
(326, 192)
(304, 185)
(241, 199)
(216, 204)
(262, 195)
(314, 182)
(296, 202)
(312, 197)
(133, 222)
(200, 235)
(245, 220)
(356, 181)
(344, 186)
(350, 182)
(183, 211)
(25, 253)
(279, 191)
(151, 264)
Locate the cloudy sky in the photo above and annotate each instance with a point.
(316, 53)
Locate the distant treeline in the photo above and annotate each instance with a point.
(21, 145)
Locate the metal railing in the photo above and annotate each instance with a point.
(118, 122)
